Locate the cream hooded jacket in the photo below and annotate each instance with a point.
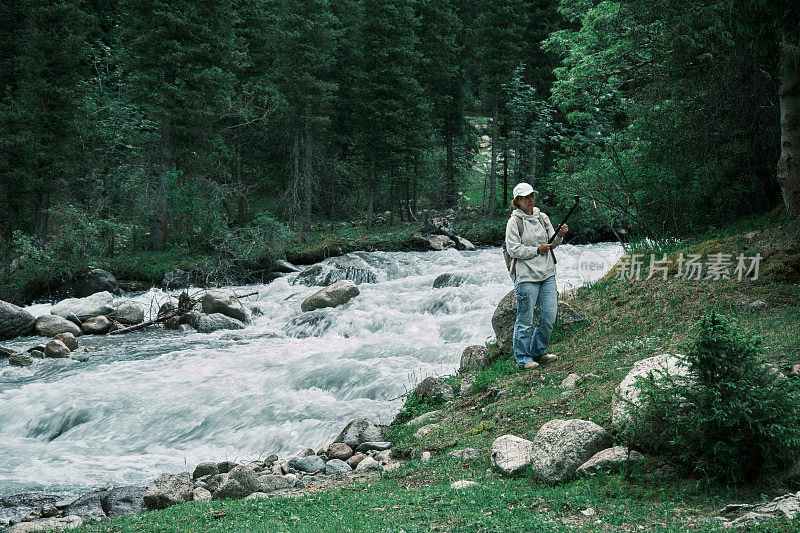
(528, 263)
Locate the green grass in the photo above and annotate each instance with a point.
(629, 321)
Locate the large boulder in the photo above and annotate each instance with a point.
(68, 339)
(610, 459)
(463, 244)
(129, 313)
(168, 490)
(422, 242)
(433, 390)
(205, 469)
(449, 280)
(94, 281)
(506, 314)
(337, 294)
(52, 325)
(511, 454)
(337, 466)
(14, 321)
(97, 325)
(561, 446)
(213, 322)
(19, 359)
(89, 506)
(339, 450)
(124, 501)
(56, 350)
(475, 358)
(359, 431)
(273, 482)
(98, 304)
(225, 302)
(241, 482)
(349, 267)
(48, 524)
(309, 464)
(626, 405)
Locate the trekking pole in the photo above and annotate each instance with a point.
(577, 199)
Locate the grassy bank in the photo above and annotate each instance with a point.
(629, 321)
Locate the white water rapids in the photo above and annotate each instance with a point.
(161, 401)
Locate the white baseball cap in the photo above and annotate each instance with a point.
(523, 189)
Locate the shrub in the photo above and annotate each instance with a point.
(735, 419)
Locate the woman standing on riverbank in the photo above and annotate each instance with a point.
(534, 272)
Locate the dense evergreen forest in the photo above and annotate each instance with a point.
(229, 126)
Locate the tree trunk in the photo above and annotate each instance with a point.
(505, 175)
(295, 201)
(41, 219)
(158, 229)
(450, 182)
(532, 179)
(789, 163)
(371, 185)
(308, 179)
(493, 168)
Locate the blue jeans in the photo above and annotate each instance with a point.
(530, 346)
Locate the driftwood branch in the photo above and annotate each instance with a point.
(143, 325)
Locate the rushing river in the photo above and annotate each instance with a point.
(161, 401)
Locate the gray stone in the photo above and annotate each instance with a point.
(626, 404)
(334, 295)
(129, 313)
(94, 281)
(610, 459)
(570, 382)
(271, 482)
(48, 524)
(5, 352)
(426, 457)
(336, 466)
(199, 494)
(424, 418)
(434, 390)
(377, 446)
(561, 446)
(467, 454)
(475, 358)
(467, 385)
(786, 507)
(511, 454)
(205, 469)
(340, 450)
(422, 242)
(354, 461)
(208, 323)
(226, 466)
(505, 315)
(369, 465)
(214, 482)
(358, 431)
(284, 267)
(425, 430)
(38, 354)
(72, 317)
(168, 490)
(48, 510)
(56, 350)
(309, 464)
(14, 321)
(224, 301)
(241, 481)
(124, 501)
(305, 452)
(463, 244)
(68, 339)
(19, 359)
(52, 325)
(97, 325)
(463, 484)
(449, 280)
(98, 304)
(89, 506)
